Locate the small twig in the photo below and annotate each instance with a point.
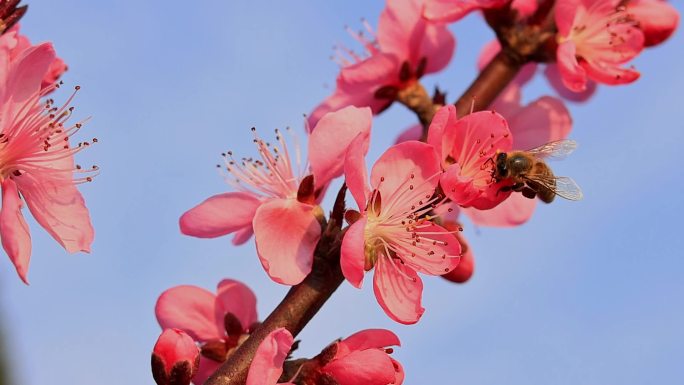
(416, 99)
(489, 84)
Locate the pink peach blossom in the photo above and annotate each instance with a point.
(466, 148)
(465, 269)
(269, 200)
(454, 10)
(405, 48)
(596, 37)
(392, 233)
(555, 79)
(541, 121)
(362, 358)
(656, 18)
(36, 158)
(175, 358)
(217, 322)
(13, 44)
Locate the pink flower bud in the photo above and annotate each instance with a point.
(656, 18)
(175, 358)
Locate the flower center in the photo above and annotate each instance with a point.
(273, 174)
(35, 139)
(401, 228)
(597, 29)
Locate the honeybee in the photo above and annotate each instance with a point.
(532, 177)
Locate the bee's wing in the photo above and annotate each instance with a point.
(558, 149)
(562, 186)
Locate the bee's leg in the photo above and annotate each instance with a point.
(514, 187)
(518, 187)
(489, 161)
(528, 193)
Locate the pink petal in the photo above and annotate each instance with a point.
(356, 86)
(332, 103)
(267, 365)
(656, 18)
(236, 298)
(398, 290)
(398, 372)
(459, 188)
(373, 72)
(242, 236)
(445, 117)
(220, 215)
(555, 80)
(286, 233)
(401, 29)
(525, 8)
(54, 72)
(352, 254)
(446, 251)
(438, 47)
(191, 309)
(488, 52)
(26, 75)
(476, 137)
(402, 162)
(454, 10)
(414, 132)
(629, 44)
(565, 12)
(59, 208)
(542, 121)
(508, 103)
(331, 137)
(464, 271)
(448, 212)
(572, 74)
(355, 172)
(370, 338)
(403, 33)
(14, 231)
(514, 211)
(610, 74)
(471, 145)
(367, 367)
(207, 367)
(491, 196)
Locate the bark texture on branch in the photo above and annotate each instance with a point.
(298, 307)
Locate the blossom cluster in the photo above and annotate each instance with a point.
(405, 225)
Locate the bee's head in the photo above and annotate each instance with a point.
(501, 166)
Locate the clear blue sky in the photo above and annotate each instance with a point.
(586, 293)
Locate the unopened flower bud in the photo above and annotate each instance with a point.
(466, 266)
(175, 358)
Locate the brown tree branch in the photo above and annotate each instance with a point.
(489, 84)
(416, 99)
(300, 304)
